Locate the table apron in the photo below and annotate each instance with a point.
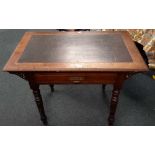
(74, 78)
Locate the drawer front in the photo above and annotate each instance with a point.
(75, 78)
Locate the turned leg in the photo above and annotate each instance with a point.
(39, 102)
(103, 87)
(113, 106)
(52, 87)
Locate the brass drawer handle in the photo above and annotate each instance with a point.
(76, 79)
(76, 82)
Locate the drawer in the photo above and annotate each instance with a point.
(75, 78)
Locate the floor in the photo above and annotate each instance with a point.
(71, 105)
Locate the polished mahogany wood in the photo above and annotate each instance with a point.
(75, 58)
(39, 102)
(74, 77)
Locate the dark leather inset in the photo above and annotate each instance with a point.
(76, 48)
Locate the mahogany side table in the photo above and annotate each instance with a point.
(75, 58)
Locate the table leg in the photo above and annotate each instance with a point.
(52, 87)
(39, 102)
(103, 87)
(113, 106)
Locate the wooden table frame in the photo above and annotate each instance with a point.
(75, 73)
